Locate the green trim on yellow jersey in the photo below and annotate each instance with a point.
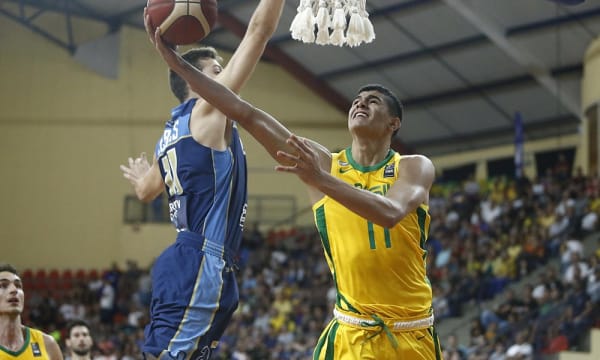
(25, 345)
(376, 270)
(359, 167)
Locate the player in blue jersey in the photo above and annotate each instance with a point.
(370, 206)
(200, 162)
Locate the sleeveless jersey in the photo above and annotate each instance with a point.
(376, 270)
(34, 347)
(206, 187)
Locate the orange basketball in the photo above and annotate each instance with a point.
(183, 22)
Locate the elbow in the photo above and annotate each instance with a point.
(390, 220)
(393, 216)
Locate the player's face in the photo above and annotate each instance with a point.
(369, 111)
(211, 67)
(12, 297)
(80, 341)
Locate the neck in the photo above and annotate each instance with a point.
(11, 332)
(368, 153)
(86, 356)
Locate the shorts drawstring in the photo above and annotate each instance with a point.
(382, 328)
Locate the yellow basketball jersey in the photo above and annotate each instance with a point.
(34, 348)
(376, 270)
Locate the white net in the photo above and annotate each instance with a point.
(332, 22)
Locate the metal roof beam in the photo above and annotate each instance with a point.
(553, 22)
(461, 43)
(477, 89)
(527, 60)
(413, 55)
(537, 128)
(296, 69)
(36, 29)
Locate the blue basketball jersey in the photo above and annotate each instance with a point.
(207, 188)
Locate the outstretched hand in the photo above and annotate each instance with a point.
(306, 164)
(167, 51)
(136, 169)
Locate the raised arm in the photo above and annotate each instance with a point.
(269, 132)
(263, 24)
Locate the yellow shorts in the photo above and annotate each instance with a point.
(340, 341)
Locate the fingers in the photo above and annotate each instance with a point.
(289, 169)
(287, 156)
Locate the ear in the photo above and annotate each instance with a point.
(395, 123)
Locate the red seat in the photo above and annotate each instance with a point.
(80, 274)
(93, 274)
(27, 275)
(67, 274)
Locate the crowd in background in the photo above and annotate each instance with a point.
(484, 236)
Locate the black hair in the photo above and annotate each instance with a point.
(393, 103)
(9, 268)
(76, 322)
(178, 85)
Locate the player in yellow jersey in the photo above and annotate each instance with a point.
(371, 209)
(17, 341)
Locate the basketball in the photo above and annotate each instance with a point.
(183, 22)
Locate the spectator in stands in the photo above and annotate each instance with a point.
(107, 298)
(452, 350)
(18, 341)
(521, 349)
(499, 352)
(79, 340)
(576, 270)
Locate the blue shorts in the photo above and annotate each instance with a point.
(194, 294)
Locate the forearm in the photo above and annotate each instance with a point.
(373, 207)
(265, 19)
(150, 185)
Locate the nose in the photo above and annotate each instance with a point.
(361, 103)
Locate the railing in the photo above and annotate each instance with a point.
(264, 209)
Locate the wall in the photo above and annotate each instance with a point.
(64, 130)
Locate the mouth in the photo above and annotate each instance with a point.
(360, 113)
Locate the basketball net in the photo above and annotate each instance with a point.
(336, 22)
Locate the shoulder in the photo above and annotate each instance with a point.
(416, 161)
(52, 347)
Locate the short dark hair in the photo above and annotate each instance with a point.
(9, 268)
(393, 103)
(76, 322)
(178, 85)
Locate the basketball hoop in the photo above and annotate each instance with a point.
(336, 22)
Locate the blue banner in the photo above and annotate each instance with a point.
(519, 140)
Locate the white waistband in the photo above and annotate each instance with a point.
(400, 325)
